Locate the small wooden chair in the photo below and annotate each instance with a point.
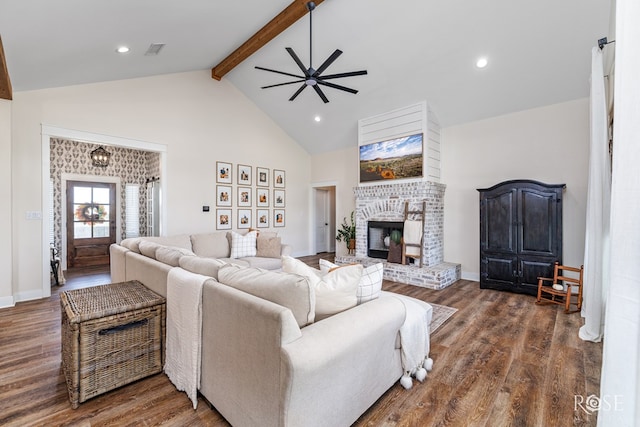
(547, 294)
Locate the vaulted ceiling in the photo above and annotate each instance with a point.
(538, 52)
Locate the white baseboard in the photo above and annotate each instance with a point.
(28, 295)
(466, 275)
(6, 302)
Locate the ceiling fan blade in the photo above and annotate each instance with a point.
(300, 64)
(328, 62)
(304, 85)
(280, 72)
(282, 84)
(320, 93)
(344, 88)
(340, 75)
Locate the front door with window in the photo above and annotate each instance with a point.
(91, 224)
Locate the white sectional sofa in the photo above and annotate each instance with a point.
(139, 259)
(266, 359)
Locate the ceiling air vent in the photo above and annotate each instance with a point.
(154, 49)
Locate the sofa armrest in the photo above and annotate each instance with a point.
(353, 351)
(148, 271)
(286, 250)
(241, 339)
(117, 264)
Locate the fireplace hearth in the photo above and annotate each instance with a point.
(378, 206)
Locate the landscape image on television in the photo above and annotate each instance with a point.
(393, 159)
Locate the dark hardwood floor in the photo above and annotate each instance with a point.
(500, 360)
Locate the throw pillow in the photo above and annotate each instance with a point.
(370, 285)
(268, 234)
(243, 246)
(295, 266)
(269, 247)
(211, 245)
(335, 290)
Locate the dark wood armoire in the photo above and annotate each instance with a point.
(520, 234)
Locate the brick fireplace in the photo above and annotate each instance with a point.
(385, 203)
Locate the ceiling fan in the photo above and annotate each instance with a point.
(313, 77)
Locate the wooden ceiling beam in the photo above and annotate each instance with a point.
(277, 25)
(5, 82)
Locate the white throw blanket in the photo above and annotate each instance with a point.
(184, 331)
(412, 235)
(414, 342)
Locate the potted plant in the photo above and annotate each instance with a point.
(347, 233)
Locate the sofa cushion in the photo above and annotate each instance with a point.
(205, 266)
(132, 243)
(243, 246)
(179, 241)
(268, 247)
(235, 261)
(370, 285)
(260, 262)
(211, 245)
(288, 290)
(171, 255)
(335, 290)
(148, 248)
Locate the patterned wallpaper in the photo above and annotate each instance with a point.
(132, 166)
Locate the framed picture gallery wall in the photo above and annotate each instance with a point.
(249, 196)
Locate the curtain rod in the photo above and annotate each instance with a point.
(603, 41)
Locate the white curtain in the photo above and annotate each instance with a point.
(596, 251)
(621, 348)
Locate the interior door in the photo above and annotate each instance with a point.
(91, 224)
(322, 221)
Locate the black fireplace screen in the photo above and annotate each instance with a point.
(379, 237)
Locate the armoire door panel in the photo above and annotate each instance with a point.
(499, 226)
(499, 270)
(538, 222)
(531, 269)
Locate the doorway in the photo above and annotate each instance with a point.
(91, 226)
(324, 202)
(47, 134)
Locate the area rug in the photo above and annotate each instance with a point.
(441, 313)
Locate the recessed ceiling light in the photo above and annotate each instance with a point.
(122, 49)
(482, 62)
(317, 118)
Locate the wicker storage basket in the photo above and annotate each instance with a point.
(111, 335)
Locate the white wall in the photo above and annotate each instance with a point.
(6, 295)
(339, 167)
(548, 144)
(200, 120)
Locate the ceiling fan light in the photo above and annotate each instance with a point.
(310, 76)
